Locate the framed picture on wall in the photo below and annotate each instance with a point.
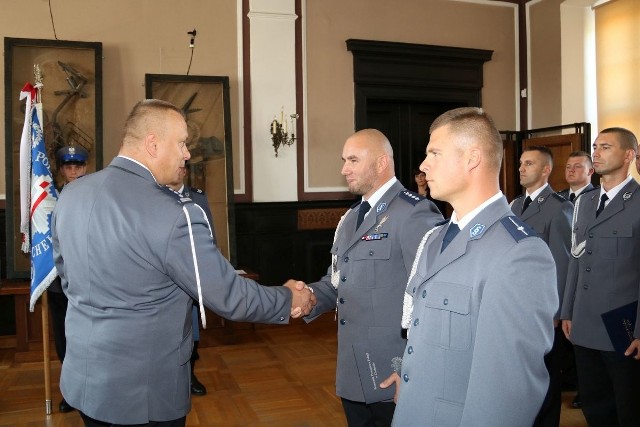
(205, 103)
(72, 116)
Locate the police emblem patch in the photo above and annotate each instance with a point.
(626, 196)
(381, 207)
(476, 230)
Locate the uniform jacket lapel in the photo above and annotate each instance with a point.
(473, 231)
(616, 205)
(534, 207)
(372, 219)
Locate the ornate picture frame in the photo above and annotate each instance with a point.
(206, 104)
(72, 113)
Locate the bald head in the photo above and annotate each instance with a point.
(147, 116)
(155, 135)
(368, 161)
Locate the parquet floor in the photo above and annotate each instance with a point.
(260, 376)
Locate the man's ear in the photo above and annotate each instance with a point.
(474, 156)
(151, 145)
(383, 163)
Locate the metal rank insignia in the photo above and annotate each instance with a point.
(540, 199)
(626, 196)
(376, 236)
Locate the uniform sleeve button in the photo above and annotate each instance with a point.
(282, 318)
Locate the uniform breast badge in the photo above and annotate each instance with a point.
(382, 221)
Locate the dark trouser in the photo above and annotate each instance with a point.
(549, 414)
(359, 414)
(609, 388)
(90, 422)
(58, 309)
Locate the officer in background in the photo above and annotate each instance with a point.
(72, 164)
(200, 199)
(549, 214)
(374, 248)
(577, 173)
(604, 275)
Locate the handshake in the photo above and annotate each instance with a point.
(303, 299)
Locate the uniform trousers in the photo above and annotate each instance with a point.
(90, 422)
(549, 414)
(609, 386)
(359, 414)
(58, 308)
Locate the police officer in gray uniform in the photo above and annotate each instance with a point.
(482, 294)
(375, 245)
(604, 275)
(132, 259)
(549, 214)
(200, 199)
(577, 173)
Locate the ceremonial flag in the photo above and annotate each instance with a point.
(38, 204)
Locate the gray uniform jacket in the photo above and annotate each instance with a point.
(481, 325)
(122, 249)
(550, 216)
(373, 277)
(567, 191)
(606, 275)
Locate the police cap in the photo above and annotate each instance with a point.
(72, 154)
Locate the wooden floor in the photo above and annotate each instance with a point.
(259, 376)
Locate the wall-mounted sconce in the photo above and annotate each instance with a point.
(280, 131)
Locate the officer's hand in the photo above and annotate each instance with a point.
(634, 348)
(566, 328)
(303, 299)
(392, 379)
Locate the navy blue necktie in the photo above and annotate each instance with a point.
(452, 231)
(603, 200)
(526, 204)
(362, 211)
(572, 197)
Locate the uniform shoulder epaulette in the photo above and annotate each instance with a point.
(196, 190)
(443, 222)
(175, 195)
(517, 228)
(411, 197)
(560, 197)
(355, 204)
(597, 187)
(518, 197)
